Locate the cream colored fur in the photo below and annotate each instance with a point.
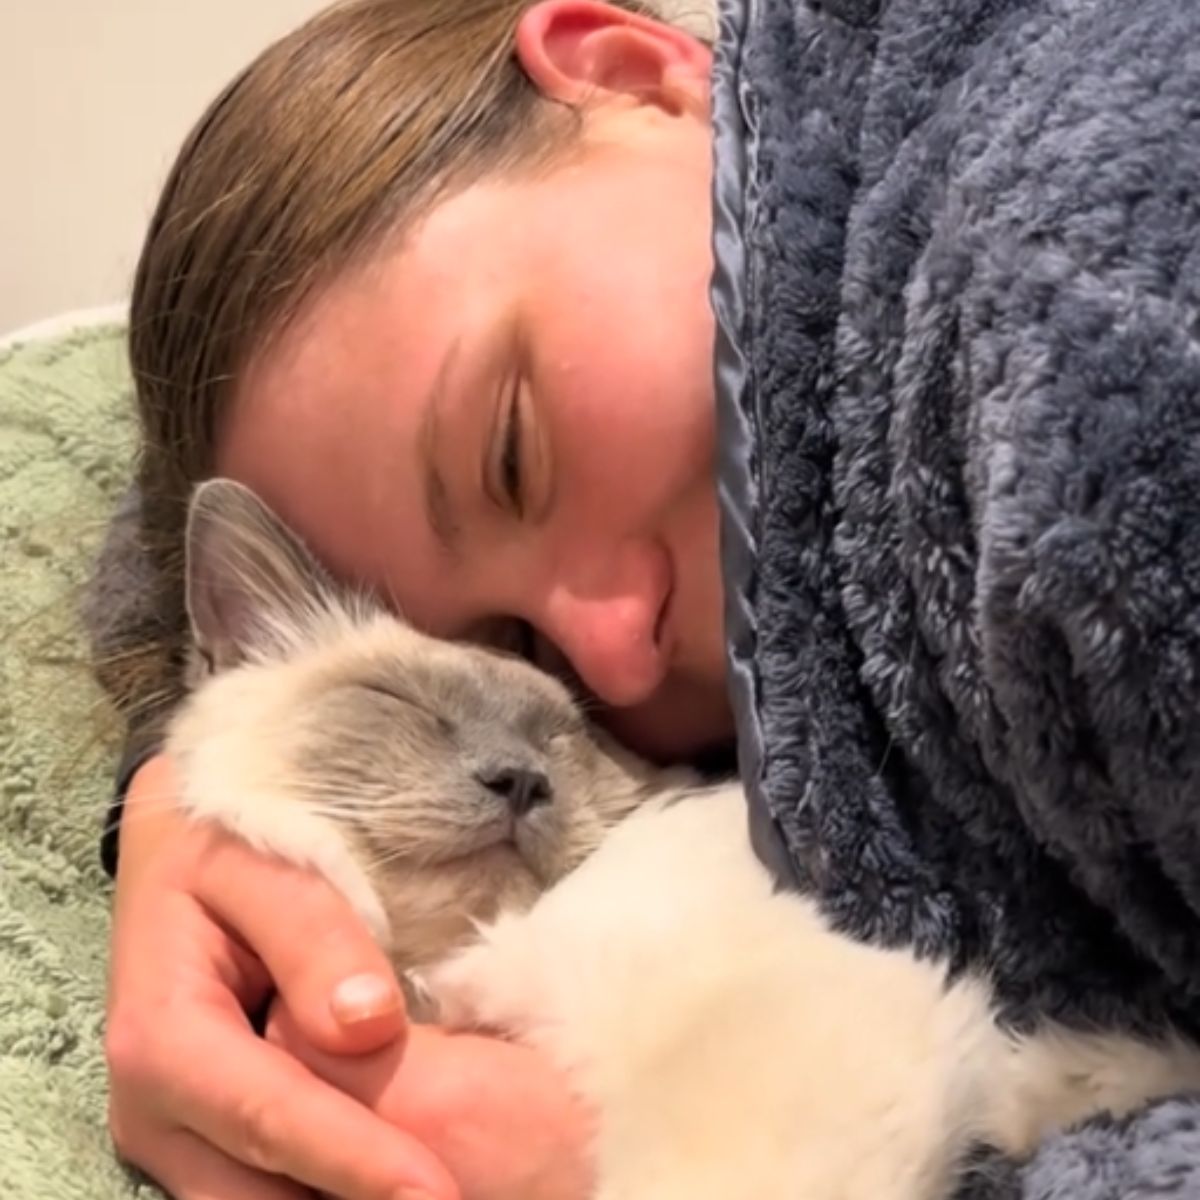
(735, 1046)
(729, 1042)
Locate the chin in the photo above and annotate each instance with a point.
(667, 732)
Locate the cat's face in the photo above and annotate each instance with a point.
(465, 779)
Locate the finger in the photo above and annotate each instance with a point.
(337, 982)
(372, 1078)
(262, 1108)
(497, 1113)
(190, 1170)
(425, 1092)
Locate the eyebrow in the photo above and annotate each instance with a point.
(439, 511)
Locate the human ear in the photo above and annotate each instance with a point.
(578, 51)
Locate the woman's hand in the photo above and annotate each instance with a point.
(497, 1114)
(203, 929)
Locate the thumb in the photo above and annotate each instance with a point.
(337, 983)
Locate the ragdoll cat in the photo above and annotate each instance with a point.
(546, 885)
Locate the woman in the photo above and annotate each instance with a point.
(432, 277)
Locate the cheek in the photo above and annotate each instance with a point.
(427, 820)
(629, 433)
(623, 346)
(695, 534)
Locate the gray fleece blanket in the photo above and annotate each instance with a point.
(958, 297)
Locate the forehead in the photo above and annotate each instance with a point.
(326, 425)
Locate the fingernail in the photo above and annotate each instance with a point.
(364, 997)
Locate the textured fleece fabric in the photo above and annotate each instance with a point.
(958, 296)
(66, 441)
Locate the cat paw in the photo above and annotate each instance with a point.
(420, 1006)
(456, 992)
(492, 985)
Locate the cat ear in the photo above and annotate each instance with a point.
(250, 581)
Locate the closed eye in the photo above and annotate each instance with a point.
(444, 724)
(381, 689)
(566, 727)
(508, 467)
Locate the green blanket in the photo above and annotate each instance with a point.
(65, 438)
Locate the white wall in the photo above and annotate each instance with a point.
(95, 96)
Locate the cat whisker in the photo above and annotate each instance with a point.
(156, 803)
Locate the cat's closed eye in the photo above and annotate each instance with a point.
(411, 704)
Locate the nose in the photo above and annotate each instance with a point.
(520, 788)
(606, 618)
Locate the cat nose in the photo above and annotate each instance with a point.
(520, 788)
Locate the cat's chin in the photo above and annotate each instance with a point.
(545, 851)
(433, 908)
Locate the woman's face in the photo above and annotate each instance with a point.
(506, 425)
